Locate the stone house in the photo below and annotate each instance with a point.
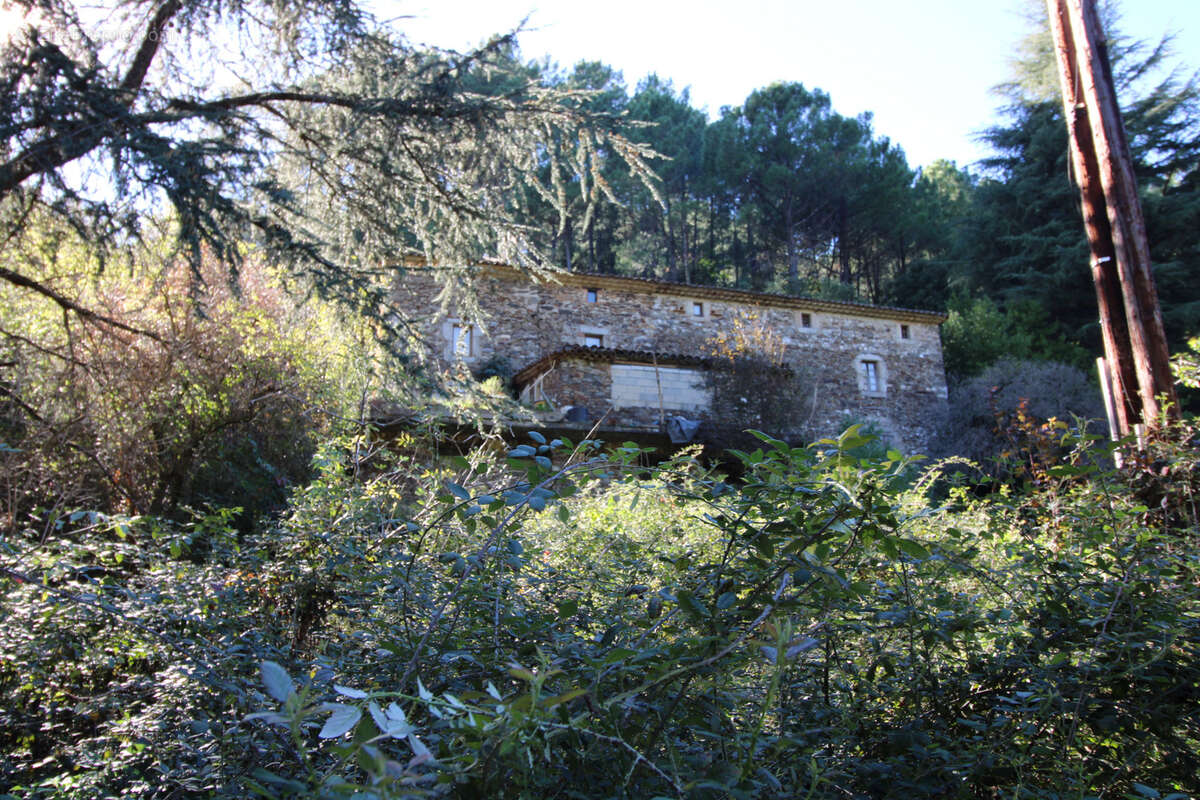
(632, 354)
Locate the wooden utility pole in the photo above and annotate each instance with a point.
(1135, 345)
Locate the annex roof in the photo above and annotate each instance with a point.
(580, 352)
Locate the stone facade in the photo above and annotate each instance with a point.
(614, 345)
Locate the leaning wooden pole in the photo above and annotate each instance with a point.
(1134, 341)
(1118, 359)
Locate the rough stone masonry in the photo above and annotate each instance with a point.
(634, 351)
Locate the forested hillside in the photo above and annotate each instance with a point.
(220, 578)
(783, 193)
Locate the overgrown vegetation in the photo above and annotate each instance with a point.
(190, 394)
(982, 409)
(555, 623)
(753, 386)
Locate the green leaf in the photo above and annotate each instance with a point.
(912, 548)
(778, 444)
(519, 672)
(558, 699)
(271, 777)
(618, 654)
(277, 681)
(765, 547)
(691, 605)
(340, 721)
(458, 491)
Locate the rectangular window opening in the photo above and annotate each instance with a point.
(593, 340)
(805, 320)
(461, 338)
(903, 331)
(697, 309)
(870, 370)
(593, 295)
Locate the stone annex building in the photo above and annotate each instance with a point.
(631, 353)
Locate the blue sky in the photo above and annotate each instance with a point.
(923, 67)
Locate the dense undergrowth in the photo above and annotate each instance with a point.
(558, 622)
(216, 584)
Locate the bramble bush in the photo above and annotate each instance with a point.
(194, 393)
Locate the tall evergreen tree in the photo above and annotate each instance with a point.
(1024, 244)
(675, 130)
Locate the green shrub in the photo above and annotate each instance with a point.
(550, 621)
(983, 411)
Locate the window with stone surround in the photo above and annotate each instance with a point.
(697, 308)
(871, 372)
(870, 376)
(904, 332)
(462, 340)
(806, 319)
(594, 336)
(593, 295)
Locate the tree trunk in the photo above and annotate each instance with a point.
(669, 232)
(687, 247)
(566, 241)
(845, 274)
(591, 237)
(793, 252)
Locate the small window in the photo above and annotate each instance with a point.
(593, 295)
(697, 309)
(593, 340)
(462, 340)
(870, 375)
(904, 332)
(805, 320)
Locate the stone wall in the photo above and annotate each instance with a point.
(833, 346)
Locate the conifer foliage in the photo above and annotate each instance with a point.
(306, 129)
